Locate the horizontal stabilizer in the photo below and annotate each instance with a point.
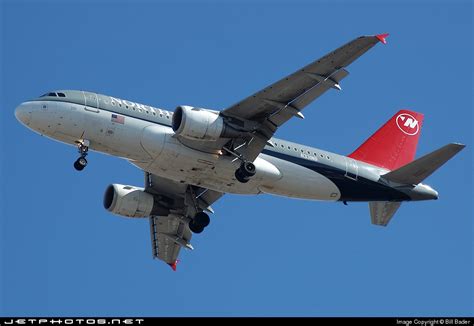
(420, 169)
(382, 211)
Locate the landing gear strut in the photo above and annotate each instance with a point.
(83, 148)
(199, 222)
(245, 172)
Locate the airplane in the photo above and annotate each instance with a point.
(193, 156)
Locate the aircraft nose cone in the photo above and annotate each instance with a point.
(23, 114)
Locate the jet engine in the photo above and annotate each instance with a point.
(200, 124)
(130, 201)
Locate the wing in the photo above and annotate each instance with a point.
(171, 232)
(269, 108)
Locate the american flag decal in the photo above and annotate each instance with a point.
(118, 118)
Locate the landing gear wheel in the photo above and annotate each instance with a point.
(199, 222)
(202, 219)
(195, 227)
(80, 163)
(245, 172)
(83, 148)
(240, 177)
(248, 168)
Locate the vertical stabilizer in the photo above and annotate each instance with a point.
(394, 144)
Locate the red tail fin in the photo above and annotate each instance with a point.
(394, 144)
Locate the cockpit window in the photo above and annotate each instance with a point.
(49, 94)
(61, 95)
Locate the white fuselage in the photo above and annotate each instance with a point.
(154, 148)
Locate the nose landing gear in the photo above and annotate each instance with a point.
(80, 163)
(83, 148)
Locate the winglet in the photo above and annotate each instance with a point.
(381, 38)
(173, 265)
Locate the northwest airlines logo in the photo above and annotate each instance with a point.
(408, 124)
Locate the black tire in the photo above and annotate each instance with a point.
(78, 166)
(249, 169)
(240, 177)
(82, 161)
(202, 219)
(195, 228)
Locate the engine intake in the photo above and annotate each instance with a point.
(130, 201)
(200, 124)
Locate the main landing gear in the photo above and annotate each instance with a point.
(199, 222)
(83, 148)
(245, 172)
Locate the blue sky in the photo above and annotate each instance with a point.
(63, 254)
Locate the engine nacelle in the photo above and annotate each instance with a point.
(130, 201)
(200, 124)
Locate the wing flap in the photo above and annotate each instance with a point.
(168, 235)
(292, 86)
(331, 81)
(295, 106)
